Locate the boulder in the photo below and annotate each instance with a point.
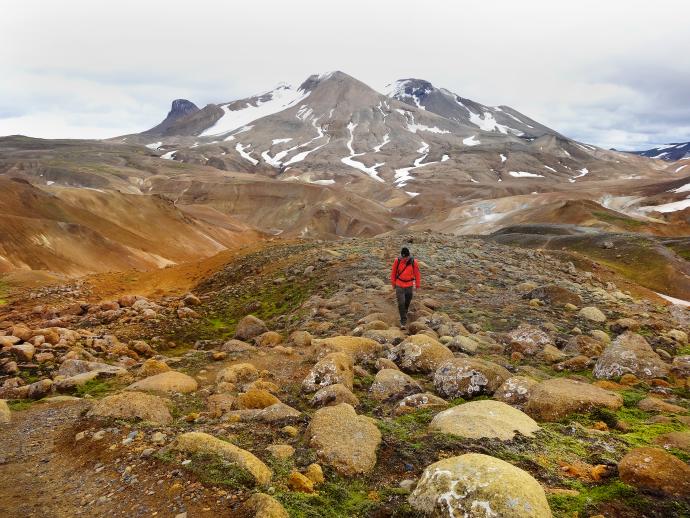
(300, 338)
(357, 347)
(680, 368)
(392, 384)
(419, 353)
(255, 398)
(653, 469)
(556, 398)
(5, 414)
(592, 314)
(169, 382)
(238, 373)
(630, 353)
(268, 339)
(478, 486)
(675, 440)
(39, 389)
(468, 377)
(133, 405)
(554, 295)
(484, 419)
(334, 395)
(219, 404)
(423, 401)
(70, 368)
(344, 440)
(528, 340)
(203, 443)
(250, 327)
(331, 369)
(654, 404)
(515, 391)
(551, 354)
(151, 367)
(463, 344)
(584, 345)
(261, 505)
(624, 324)
(23, 352)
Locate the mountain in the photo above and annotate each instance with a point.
(501, 119)
(668, 152)
(416, 139)
(180, 108)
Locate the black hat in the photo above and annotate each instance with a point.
(405, 252)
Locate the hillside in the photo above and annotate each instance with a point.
(178, 402)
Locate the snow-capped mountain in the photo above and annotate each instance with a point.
(415, 138)
(501, 119)
(669, 152)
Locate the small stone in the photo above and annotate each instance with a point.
(300, 483)
(592, 314)
(315, 474)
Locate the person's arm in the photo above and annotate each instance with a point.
(417, 275)
(394, 270)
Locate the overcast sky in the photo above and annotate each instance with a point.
(615, 74)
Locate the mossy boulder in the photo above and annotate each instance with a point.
(476, 485)
(556, 398)
(166, 382)
(630, 354)
(484, 419)
(654, 469)
(419, 353)
(203, 443)
(133, 405)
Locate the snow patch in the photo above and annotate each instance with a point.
(386, 140)
(471, 141)
(349, 160)
(280, 140)
(524, 174)
(169, 155)
(444, 158)
(673, 300)
(240, 148)
(681, 168)
(503, 157)
(279, 99)
(154, 145)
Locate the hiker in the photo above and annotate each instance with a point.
(404, 275)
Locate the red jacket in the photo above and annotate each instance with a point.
(405, 273)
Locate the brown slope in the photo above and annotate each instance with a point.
(82, 230)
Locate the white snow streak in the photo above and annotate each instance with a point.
(281, 140)
(154, 145)
(471, 141)
(169, 155)
(348, 160)
(681, 168)
(503, 157)
(524, 174)
(280, 98)
(402, 175)
(240, 148)
(386, 140)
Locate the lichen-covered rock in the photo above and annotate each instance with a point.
(268, 339)
(478, 486)
(555, 398)
(654, 404)
(250, 327)
(592, 314)
(344, 440)
(655, 470)
(423, 401)
(392, 384)
(261, 505)
(238, 373)
(198, 442)
(630, 353)
(463, 344)
(419, 353)
(168, 382)
(331, 369)
(515, 391)
(468, 377)
(584, 345)
(255, 398)
(554, 295)
(484, 419)
(528, 340)
(334, 395)
(357, 347)
(133, 405)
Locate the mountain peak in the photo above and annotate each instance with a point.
(180, 108)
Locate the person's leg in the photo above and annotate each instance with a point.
(408, 300)
(402, 309)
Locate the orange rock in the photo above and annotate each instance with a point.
(609, 385)
(629, 379)
(600, 425)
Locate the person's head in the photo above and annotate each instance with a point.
(405, 252)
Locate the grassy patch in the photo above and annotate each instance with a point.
(614, 219)
(94, 388)
(590, 497)
(337, 498)
(17, 405)
(409, 429)
(213, 470)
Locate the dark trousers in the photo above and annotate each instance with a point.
(404, 296)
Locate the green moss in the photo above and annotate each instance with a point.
(632, 397)
(17, 405)
(337, 498)
(408, 429)
(617, 220)
(213, 470)
(94, 388)
(590, 497)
